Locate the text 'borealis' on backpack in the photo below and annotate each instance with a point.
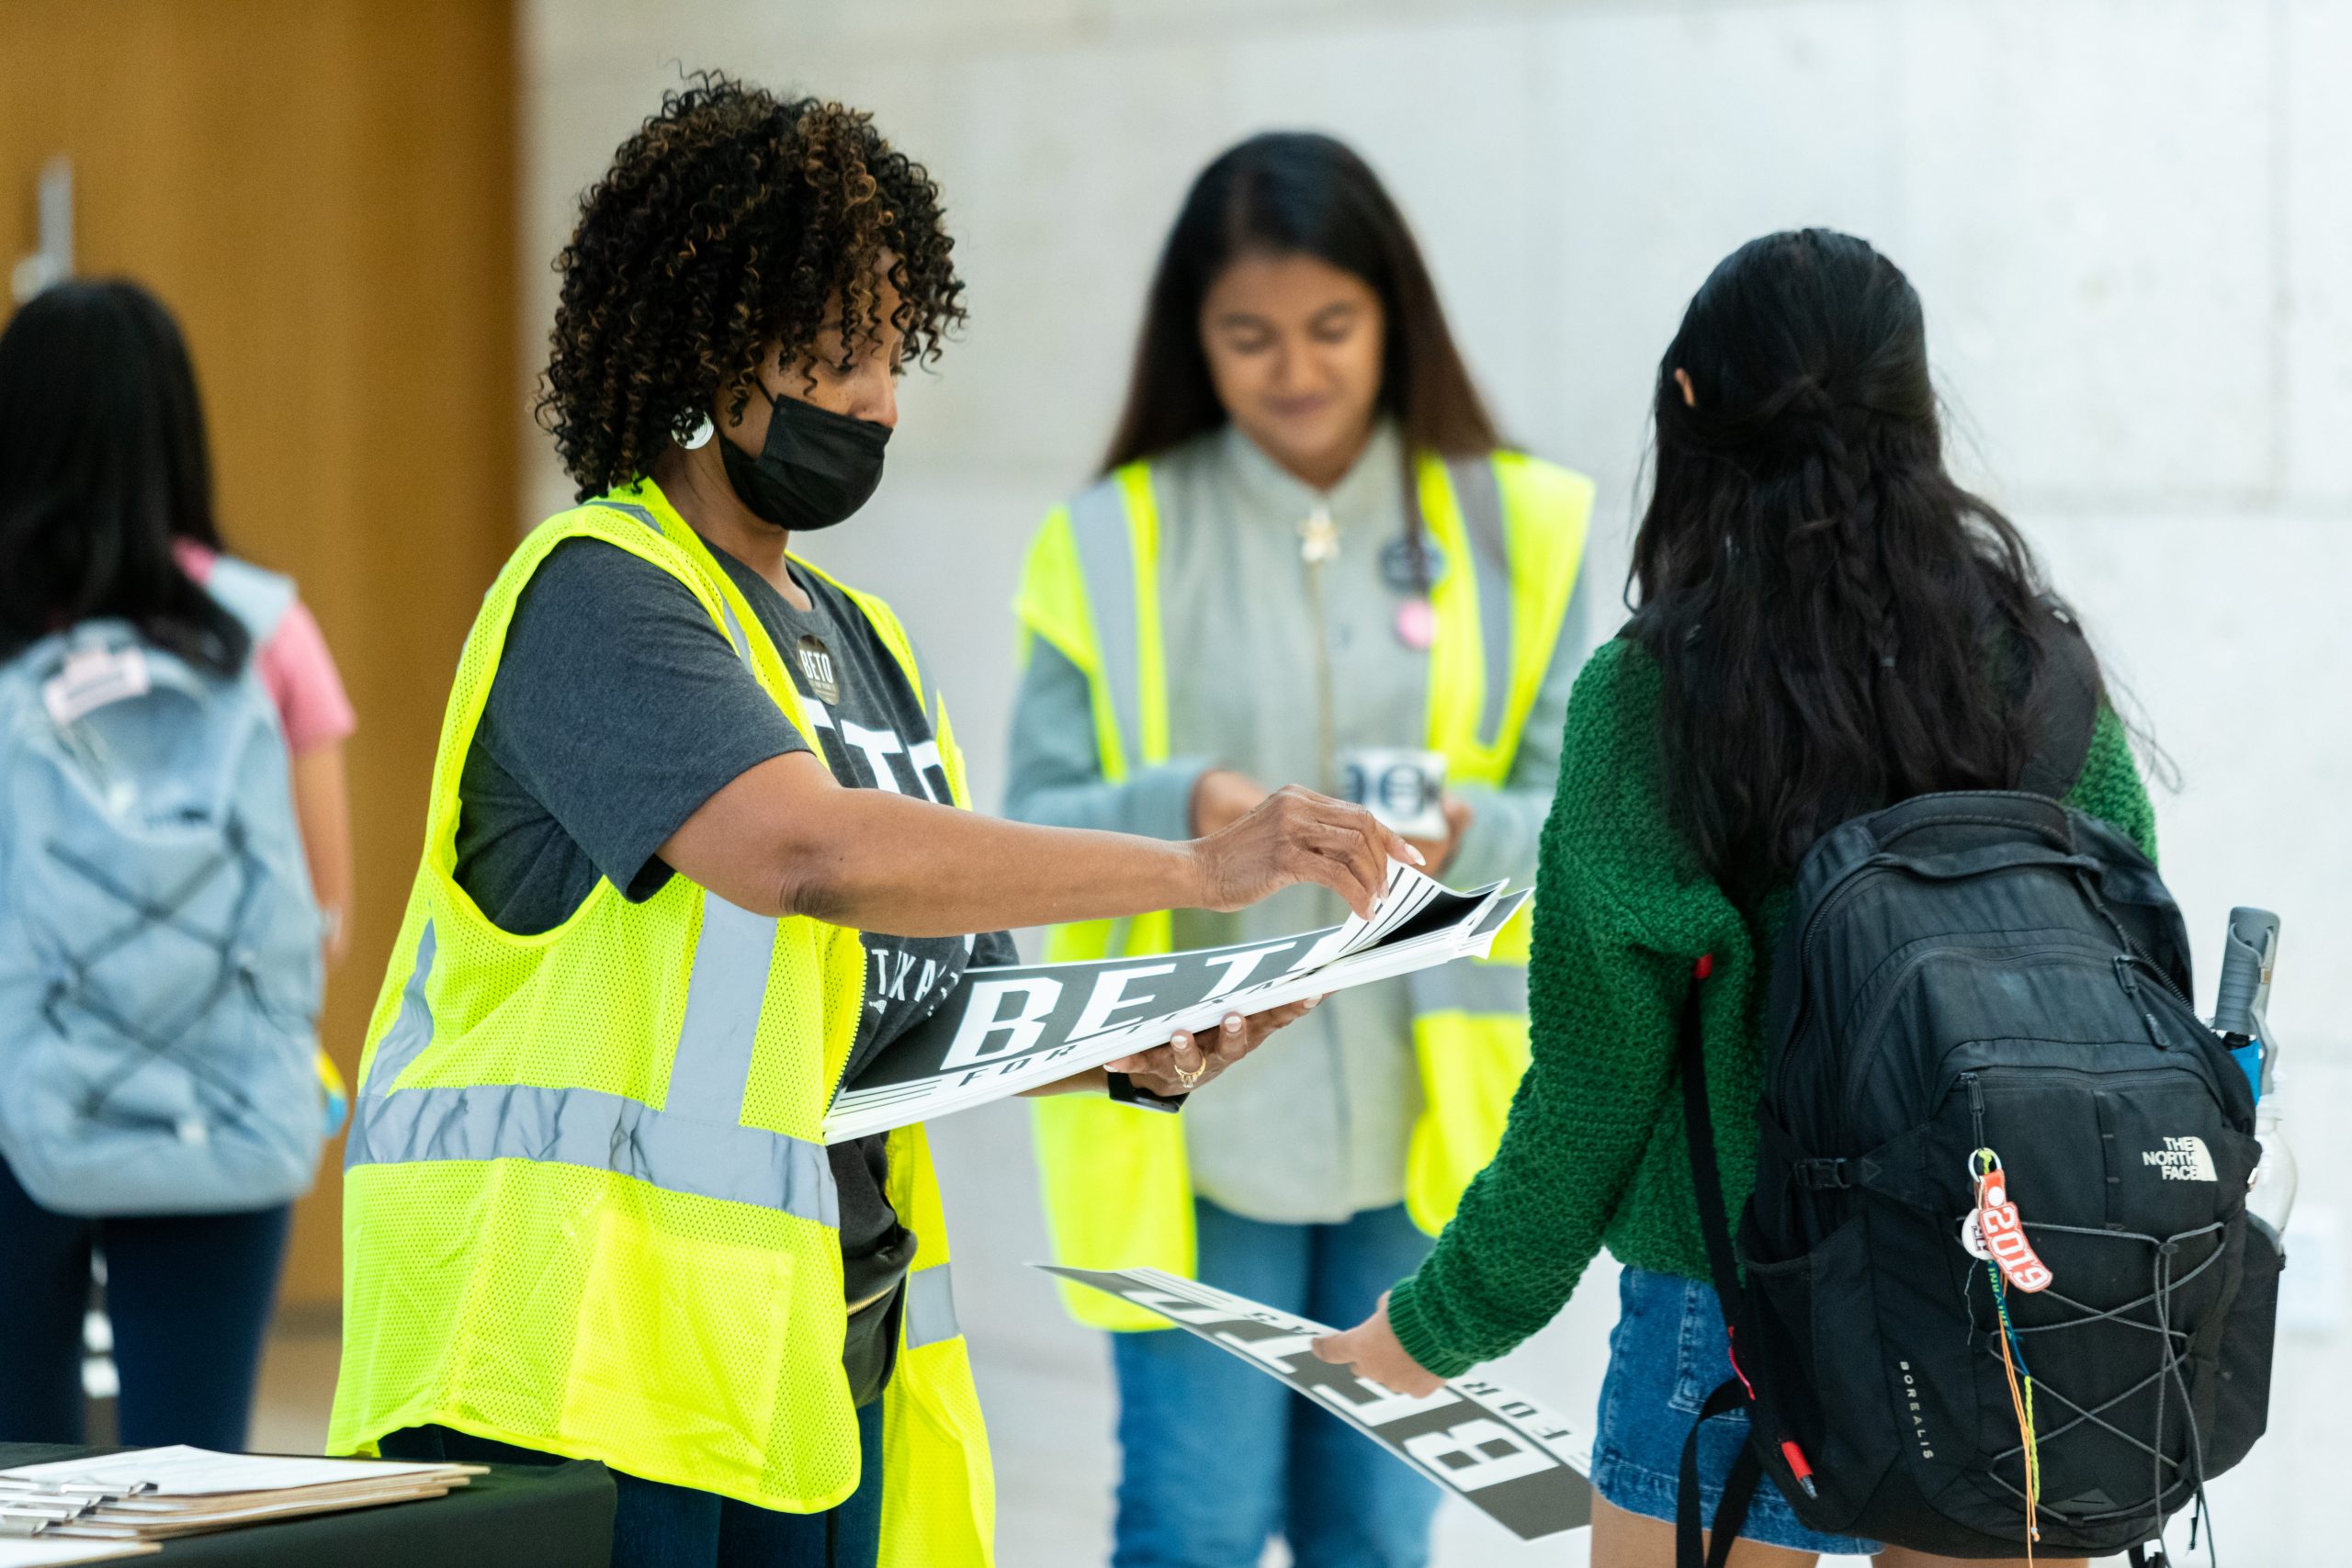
(1980, 999)
(160, 970)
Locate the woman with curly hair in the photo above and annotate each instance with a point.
(693, 854)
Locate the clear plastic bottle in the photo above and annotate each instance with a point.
(2272, 1196)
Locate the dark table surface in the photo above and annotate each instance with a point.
(518, 1516)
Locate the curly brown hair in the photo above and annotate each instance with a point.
(732, 218)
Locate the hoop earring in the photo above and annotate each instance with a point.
(701, 437)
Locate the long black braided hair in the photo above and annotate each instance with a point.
(1840, 624)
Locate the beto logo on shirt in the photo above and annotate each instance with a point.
(817, 668)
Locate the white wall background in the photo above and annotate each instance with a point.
(2130, 221)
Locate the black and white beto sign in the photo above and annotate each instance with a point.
(1010, 1028)
(1505, 1455)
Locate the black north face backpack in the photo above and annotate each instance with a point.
(1968, 972)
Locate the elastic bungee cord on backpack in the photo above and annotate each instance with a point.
(2169, 1371)
(1995, 1234)
(77, 990)
(2163, 1283)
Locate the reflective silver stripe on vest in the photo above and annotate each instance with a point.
(734, 629)
(1106, 562)
(693, 1145)
(1477, 496)
(713, 1067)
(930, 1307)
(601, 1132)
(628, 509)
(411, 1030)
(1469, 987)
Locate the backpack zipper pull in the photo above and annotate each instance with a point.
(1975, 1107)
(1799, 1468)
(2123, 963)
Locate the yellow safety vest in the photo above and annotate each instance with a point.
(1118, 1189)
(586, 1205)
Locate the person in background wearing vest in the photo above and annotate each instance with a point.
(694, 852)
(105, 512)
(1308, 516)
(1828, 624)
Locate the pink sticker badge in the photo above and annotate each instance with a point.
(1415, 624)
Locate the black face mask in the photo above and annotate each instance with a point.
(816, 468)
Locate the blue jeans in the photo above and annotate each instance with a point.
(1666, 1355)
(1219, 1456)
(660, 1526)
(189, 1297)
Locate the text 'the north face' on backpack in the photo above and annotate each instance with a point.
(1982, 1066)
(160, 970)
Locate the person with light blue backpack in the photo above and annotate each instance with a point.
(161, 946)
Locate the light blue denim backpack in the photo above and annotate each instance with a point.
(160, 971)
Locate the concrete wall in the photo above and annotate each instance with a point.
(2129, 221)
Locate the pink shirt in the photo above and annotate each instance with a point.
(295, 668)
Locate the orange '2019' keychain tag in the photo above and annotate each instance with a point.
(1993, 1231)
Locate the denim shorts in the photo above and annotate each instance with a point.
(1666, 1355)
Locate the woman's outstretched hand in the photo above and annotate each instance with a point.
(1295, 835)
(1371, 1350)
(1189, 1062)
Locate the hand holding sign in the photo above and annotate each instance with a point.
(1189, 1062)
(1500, 1453)
(1372, 1350)
(1295, 835)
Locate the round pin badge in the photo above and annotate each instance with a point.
(1415, 624)
(1396, 565)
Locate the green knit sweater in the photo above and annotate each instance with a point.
(1594, 1155)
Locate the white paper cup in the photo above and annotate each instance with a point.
(1404, 788)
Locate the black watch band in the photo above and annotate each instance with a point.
(1127, 1091)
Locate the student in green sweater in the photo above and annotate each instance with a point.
(1827, 623)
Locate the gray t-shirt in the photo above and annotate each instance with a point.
(620, 708)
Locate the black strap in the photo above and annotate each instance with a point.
(1127, 1091)
(1691, 1547)
(2149, 1554)
(1706, 1178)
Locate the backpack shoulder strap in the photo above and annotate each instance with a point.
(2069, 713)
(259, 598)
(1693, 1548)
(1698, 1123)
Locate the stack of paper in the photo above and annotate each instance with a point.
(51, 1552)
(148, 1495)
